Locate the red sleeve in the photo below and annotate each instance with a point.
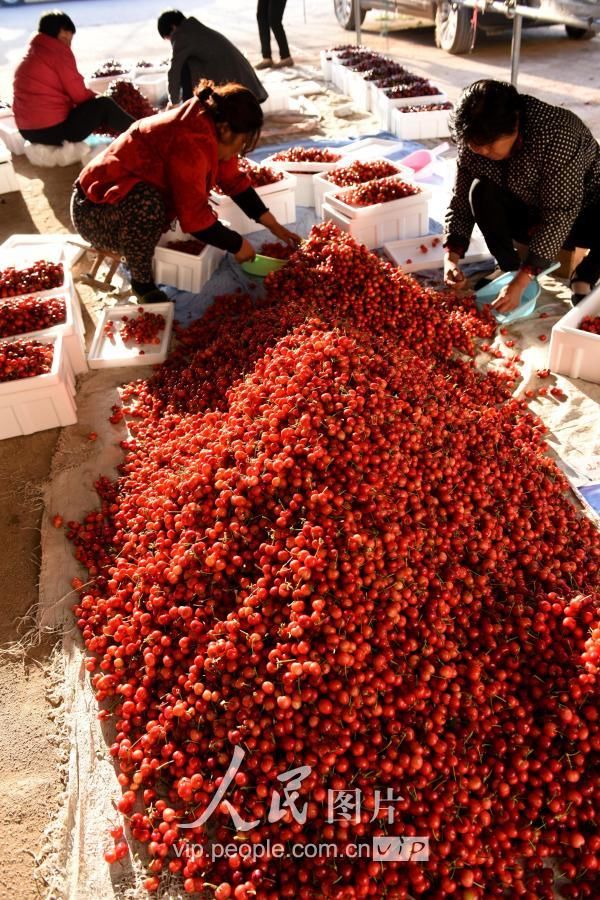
(73, 82)
(230, 179)
(189, 181)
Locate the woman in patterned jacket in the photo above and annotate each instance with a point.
(526, 171)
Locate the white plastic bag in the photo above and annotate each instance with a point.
(65, 155)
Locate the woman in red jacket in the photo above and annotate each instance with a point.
(51, 103)
(164, 167)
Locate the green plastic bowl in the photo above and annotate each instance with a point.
(262, 265)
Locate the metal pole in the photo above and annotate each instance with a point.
(515, 50)
(357, 20)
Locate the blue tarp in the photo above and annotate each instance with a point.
(229, 276)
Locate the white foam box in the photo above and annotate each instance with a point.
(415, 126)
(573, 352)
(152, 84)
(71, 330)
(278, 99)
(11, 136)
(321, 186)
(72, 245)
(108, 352)
(99, 85)
(360, 91)
(8, 178)
(399, 252)
(368, 148)
(327, 58)
(279, 196)
(41, 402)
(376, 230)
(184, 271)
(409, 204)
(384, 105)
(303, 173)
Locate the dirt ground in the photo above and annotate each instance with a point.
(28, 762)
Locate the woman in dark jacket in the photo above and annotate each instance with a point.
(201, 52)
(165, 167)
(526, 171)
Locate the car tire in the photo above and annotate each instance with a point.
(344, 13)
(579, 34)
(453, 27)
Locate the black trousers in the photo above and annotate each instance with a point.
(89, 116)
(269, 15)
(502, 218)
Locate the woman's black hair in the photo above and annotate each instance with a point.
(486, 111)
(234, 105)
(169, 19)
(53, 22)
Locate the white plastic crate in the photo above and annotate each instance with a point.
(384, 105)
(322, 186)
(72, 245)
(377, 230)
(573, 352)
(327, 58)
(8, 179)
(184, 271)
(415, 126)
(71, 330)
(303, 173)
(99, 85)
(400, 252)
(367, 149)
(280, 197)
(11, 136)
(278, 99)
(108, 352)
(335, 198)
(153, 85)
(44, 401)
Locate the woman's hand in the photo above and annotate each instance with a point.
(280, 231)
(453, 274)
(510, 296)
(246, 253)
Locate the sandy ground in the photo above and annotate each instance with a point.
(28, 762)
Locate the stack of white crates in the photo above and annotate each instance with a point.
(279, 196)
(45, 401)
(303, 172)
(374, 225)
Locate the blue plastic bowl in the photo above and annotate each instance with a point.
(488, 294)
(529, 296)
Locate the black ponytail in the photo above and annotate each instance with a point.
(233, 105)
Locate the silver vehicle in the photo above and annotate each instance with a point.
(452, 18)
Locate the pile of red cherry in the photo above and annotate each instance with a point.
(382, 190)
(307, 154)
(191, 246)
(41, 276)
(591, 324)
(24, 314)
(110, 67)
(24, 359)
(359, 172)
(143, 328)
